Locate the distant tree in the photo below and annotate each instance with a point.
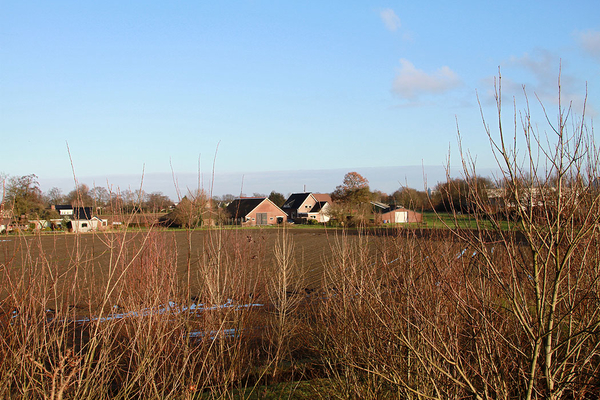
(277, 198)
(220, 213)
(352, 198)
(100, 196)
(129, 201)
(228, 198)
(378, 195)
(54, 196)
(157, 201)
(338, 213)
(354, 189)
(409, 198)
(80, 196)
(127, 197)
(122, 201)
(189, 213)
(457, 195)
(24, 197)
(51, 215)
(255, 194)
(349, 214)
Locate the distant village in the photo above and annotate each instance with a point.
(25, 208)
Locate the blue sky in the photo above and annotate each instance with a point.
(279, 87)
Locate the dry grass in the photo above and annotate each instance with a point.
(389, 316)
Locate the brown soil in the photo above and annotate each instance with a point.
(63, 261)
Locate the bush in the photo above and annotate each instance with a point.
(503, 308)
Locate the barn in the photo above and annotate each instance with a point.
(252, 211)
(400, 216)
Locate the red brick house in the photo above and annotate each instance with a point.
(252, 211)
(307, 206)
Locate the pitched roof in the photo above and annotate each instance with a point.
(322, 197)
(380, 206)
(295, 200)
(82, 213)
(59, 207)
(318, 206)
(244, 206)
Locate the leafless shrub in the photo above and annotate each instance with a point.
(138, 335)
(508, 309)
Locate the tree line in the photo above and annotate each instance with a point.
(22, 195)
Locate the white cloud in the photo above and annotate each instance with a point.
(590, 42)
(390, 19)
(411, 82)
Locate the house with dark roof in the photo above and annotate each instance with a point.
(252, 211)
(64, 210)
(81, 219)
(306, 206)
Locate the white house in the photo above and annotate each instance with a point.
(87, 225)
(80, 218)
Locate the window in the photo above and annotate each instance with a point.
(84, 225)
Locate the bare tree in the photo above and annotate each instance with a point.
(100, 195)
(531, 290)
(54, 196)
(506, 307)
(80, 196)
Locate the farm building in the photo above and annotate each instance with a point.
(385, 214)
(307, 206)
(400, 216)
(251, 211)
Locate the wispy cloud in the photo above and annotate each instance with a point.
(544, 67)
(542, 70)
(590, 42)
(411, 82)
(390, 19)
(538, 71)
